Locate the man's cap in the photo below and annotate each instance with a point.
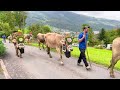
(86, 27)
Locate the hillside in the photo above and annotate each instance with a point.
(69, 20)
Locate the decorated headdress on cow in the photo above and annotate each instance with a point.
(68, 38)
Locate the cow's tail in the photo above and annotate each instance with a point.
(110, 64)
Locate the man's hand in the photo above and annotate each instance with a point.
(80, 40)
(83, 36)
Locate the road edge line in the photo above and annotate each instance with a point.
(5, 72)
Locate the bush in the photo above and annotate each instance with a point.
(2, 49)
(26, 31)
(98, 47)
(5, 27)
(1, 33)
(75, 40)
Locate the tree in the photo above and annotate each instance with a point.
(46, 29)
(118, 32)
(5, 28)
(106, 39)
(37, 28)
(101, 35)
(91, 37)
(8, 17)
(20, 17)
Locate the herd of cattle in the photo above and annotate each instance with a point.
(60, 43)
(50, 40)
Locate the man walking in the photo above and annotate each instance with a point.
(82, 39)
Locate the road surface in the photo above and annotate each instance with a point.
(36, 64)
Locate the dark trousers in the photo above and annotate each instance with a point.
(82, 56)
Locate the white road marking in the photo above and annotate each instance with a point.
(7, 76)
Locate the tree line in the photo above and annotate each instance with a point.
(16, 20)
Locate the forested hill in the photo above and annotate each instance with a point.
(69, 20)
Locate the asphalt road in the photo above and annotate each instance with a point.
(36, 64)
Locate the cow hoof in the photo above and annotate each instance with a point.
(62, 63)
(21, 57)
(112, 76)
(51, 57)
(17, 55)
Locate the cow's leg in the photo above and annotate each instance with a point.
(28, 41)
(48, 52)
(39, 45)
(113, 62)
(20, 55)
(59, 50)
(61, 56)
(16, 51)
(43, 46)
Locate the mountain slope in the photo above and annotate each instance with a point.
(69, 20)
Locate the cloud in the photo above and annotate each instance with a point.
(114, 15)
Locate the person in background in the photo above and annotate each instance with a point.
(4, 38)
(82, 39)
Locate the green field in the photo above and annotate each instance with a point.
(98, 56)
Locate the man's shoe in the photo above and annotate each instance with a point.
(79, 64)
(88, 68)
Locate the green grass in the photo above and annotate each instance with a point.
(2, 48)
(98, 56)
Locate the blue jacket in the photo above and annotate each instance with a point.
(4, 37)
(82, 44)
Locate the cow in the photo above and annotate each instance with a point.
(115, 55)
(54, 40)
(19, 47)
(28, 37)
(41, 39)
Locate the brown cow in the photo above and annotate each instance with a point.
(41, 39)
(28, 37)
(15, 42)
(54, 40)
(115, 55)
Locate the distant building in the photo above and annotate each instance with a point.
(96, 32)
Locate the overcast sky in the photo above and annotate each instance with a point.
(114, 15)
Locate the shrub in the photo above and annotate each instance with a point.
(1, 33)
(98, 47)
(2, 49)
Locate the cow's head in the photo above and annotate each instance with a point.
(30, 35)
(67, 46)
